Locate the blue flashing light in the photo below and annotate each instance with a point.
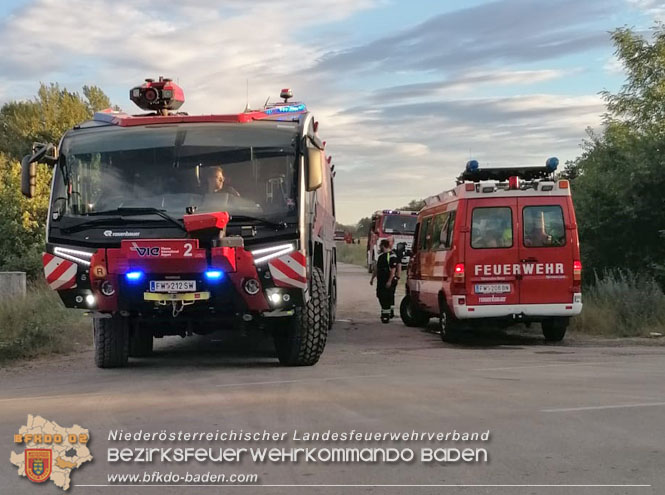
(551, 164)
(286, 109)
(134, 276)
(214, 275)
(472, 166)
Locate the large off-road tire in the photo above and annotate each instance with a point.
(554, 329)
(448, 326)
(111, 336)
(412, 316)
(300, 339)
(140, 342)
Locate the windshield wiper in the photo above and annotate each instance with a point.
(262, 221)
(129, 212)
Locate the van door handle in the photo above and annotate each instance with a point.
(530, 260)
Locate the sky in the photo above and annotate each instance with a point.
(406, 92)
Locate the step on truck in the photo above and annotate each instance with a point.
(166, 223)
(499, 248)
(398, 224)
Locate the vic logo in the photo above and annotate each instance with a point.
(145, 251)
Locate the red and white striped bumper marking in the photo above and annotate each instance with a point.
(289, 270)
(60, 273)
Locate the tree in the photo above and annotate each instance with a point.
(414, 205)
(619, 180)
(44, 119)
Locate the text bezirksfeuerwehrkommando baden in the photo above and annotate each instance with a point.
(120, 435)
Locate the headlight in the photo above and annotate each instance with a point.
(262, 255)
(75, 255)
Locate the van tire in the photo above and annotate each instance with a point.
(140, 342)
(111, 337)
(448, 326)
(300, 339)
(554, 329)
(412, 317)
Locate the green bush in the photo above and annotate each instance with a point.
(622, 303)
(40, 324)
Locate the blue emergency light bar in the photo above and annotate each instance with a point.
(285, 109)
(473, 172)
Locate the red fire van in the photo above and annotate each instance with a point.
(503, 246)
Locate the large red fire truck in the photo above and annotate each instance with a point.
(398, 224)
(501, 247)
(172, 224)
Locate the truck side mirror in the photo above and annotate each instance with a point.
(41, 152)
(314, 168)
(28, 176)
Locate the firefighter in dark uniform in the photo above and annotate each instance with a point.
(385, 272)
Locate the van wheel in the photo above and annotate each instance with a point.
(300, 339)
(554, 329)
(140, 342)
(412, 317)
(448, 326)
(111, 336)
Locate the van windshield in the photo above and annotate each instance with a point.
(244, 170)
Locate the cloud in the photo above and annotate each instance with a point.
(653, 8)
(468, 81)
(495, 33)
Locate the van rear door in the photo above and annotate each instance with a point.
(546, 255)
(491, 252)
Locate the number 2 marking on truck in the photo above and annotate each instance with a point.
(188, 249)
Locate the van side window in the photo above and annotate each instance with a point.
(423, 242)
(492, 227)
(543, 226)
(446, 238)
(438, 224)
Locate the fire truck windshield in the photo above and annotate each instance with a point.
(247, 170)
(399, 224)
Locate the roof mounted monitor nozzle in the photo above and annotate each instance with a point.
(159, 96)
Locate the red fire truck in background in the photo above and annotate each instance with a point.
(398, 224)
(172, 224)
(500, 247)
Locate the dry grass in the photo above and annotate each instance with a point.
(356, 254)
(622, 304)
(40, 324)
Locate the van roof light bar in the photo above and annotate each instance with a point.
(473, 172)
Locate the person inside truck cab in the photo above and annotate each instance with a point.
(217, 182)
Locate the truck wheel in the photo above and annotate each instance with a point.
(554, 329)
(111, 337)
(140, 342)
(300, 339)
(448, 326)
(412, 317)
